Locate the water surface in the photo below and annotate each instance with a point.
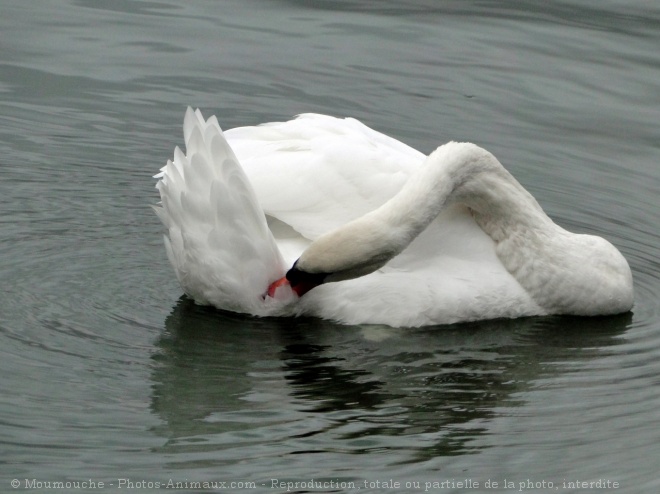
(108, 374)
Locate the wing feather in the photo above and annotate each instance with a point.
(218, 239)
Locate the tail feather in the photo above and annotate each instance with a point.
(217, 239)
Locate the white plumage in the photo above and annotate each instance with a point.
(453, 236)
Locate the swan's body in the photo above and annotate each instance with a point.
(412, 240)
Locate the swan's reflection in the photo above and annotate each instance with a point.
(220, 378)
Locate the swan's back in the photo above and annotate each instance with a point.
(317, 172)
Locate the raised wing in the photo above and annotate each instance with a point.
(218, 240)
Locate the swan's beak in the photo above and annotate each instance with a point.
(300, 288)
(275, 285)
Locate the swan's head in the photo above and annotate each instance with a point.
(300, 281)
(354, 250)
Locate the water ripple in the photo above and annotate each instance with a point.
(107, 373)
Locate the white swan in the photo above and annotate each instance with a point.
(411, 240)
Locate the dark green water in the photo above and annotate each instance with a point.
(107, 375)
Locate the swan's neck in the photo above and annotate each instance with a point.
(455, 172)
(466, 174)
